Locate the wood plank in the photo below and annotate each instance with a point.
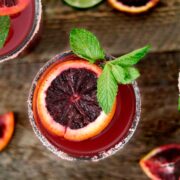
(26, 158)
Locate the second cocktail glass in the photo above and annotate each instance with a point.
(24, 28)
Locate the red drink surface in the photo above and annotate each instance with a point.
(21, 25)
(109, 137)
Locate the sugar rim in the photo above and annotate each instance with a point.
(63, 155)
(35, 28)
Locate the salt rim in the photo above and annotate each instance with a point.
(63, 155)
(31, 35)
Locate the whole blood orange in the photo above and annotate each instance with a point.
(6, 129)
(66, 101)
(163, 163)
(10, 7)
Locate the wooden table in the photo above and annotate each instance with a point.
(26, 158)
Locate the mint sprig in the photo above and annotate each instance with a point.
(4, 29)
(118, 71)
(85, 45)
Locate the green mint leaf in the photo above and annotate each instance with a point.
(4, 29)
(131, 74)
(119, 73)
(132, 58)
(179, 104)
(107, 88)
(124, 75)
(85, 45)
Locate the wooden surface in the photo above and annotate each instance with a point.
(26, 158)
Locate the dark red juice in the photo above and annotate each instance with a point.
(21, 26)
(116, 131)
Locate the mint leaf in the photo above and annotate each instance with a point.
(107, 88)
(4, 29)
(131, 74)
(124, 75)
(179, 104)
(132, 58)
(119, 73)
(85, 45)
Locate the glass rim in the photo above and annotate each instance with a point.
(63, 155)
(34, 30)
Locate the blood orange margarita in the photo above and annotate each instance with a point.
(48, 96)
(24, 27)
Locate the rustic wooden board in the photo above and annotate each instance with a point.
(26, 158)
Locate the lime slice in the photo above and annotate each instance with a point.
(83, 3)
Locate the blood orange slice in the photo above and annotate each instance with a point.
(163, 163)
(10, 7)
(67, 103)
(133, 6)
(6, 129)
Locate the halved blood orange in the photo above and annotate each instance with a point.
(163, 163)
(133, 6)
(10, 7)
(6, 129)
(67, 103)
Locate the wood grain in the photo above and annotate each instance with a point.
(26, 158)
(118, 32)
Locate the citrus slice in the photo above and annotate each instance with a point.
(133, 6)
(10, 7)
(6, 129)
(82, 3)
(67, 103)
(163, 163)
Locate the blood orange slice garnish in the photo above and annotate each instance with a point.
(163, 163)
(10, 7)
(6, 129)
(67, 103)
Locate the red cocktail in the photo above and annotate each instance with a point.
(24, 26)
(112, 138)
